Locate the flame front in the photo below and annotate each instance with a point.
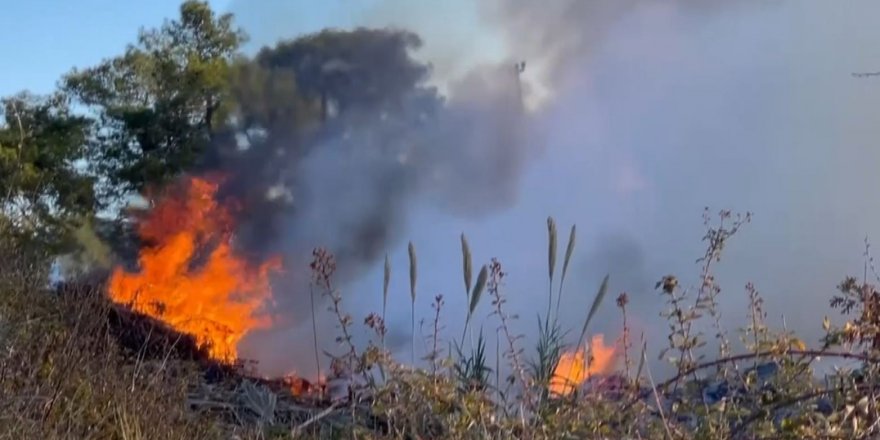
(573, 367)
(190, 276)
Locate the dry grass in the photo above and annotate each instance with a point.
(64, 375)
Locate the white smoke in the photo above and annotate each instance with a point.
(653, 111)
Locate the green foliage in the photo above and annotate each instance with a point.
(158, 103)
(363, 69)
(548, 350)
(44, 191)
(472, 371)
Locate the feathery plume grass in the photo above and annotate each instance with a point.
(386, 281)
(482, 277)
(569, 250)
(551, 259)
(385, 284)
(467, 265)
(412, 293)
(478, 288)
(412, 271)
(594, 308)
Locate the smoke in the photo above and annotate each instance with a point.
(646, 112)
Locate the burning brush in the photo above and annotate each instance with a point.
(190, 277)
(575, 368)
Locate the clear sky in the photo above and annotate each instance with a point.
(47, 38)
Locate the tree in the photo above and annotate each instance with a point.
(350, 70)
(159, 103)
(318, 89)
(343, 96)
(45, 187)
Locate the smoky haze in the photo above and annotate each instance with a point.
(641, 114)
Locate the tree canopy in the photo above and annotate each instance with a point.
(45, 188)
(184, 98)
(158, 103)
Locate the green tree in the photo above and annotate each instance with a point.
(357, 95)
(45, 189)
(158, 104)
(361, 85)
(351, 70)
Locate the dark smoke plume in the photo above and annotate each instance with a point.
(383, 136)
(654, 110)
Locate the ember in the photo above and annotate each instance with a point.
(190, 277)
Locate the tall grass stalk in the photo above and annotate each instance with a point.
(386, 282)
(467, 272)
(412, 293)
(593, 309)
(475, 298)
(551, 260)
(315, 329)
(467, 265)
(569, 250)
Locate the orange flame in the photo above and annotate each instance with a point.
(573, 368)
(190, 277)
(299, 386)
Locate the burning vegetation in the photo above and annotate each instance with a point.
(154, 350)
(189, 274)
(576, 367)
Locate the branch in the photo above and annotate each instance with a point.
(793, 401)
(297, 430)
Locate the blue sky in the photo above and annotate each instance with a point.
(51, 37)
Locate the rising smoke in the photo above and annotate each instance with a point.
(651, 111)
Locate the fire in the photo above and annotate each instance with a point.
(299, 386)
(574, 368)
(190, 276)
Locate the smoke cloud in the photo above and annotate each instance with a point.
(641, 114)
